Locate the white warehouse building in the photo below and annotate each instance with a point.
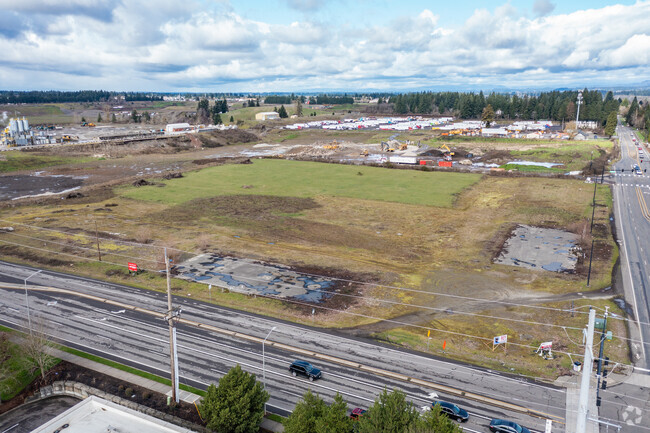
(267, 115)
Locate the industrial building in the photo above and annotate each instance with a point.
(267, 115)
(19, 133)
(177, 127)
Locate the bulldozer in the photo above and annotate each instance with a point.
(364, 152)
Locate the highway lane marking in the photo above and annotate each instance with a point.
(269, 357)
(450, 367)
(317, 355)
(233, 361)
(629, 271)
(453, 369)
(642, 204)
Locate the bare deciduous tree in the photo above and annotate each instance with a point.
(37, 347)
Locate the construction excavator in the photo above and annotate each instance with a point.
(446, 152)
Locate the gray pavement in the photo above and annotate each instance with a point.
(253, 277)
(27, 417)
(141, 340)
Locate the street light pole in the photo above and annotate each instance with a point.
(264, 364)
(29, 319)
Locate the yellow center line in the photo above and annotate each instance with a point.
(642, 203)
(317, 355)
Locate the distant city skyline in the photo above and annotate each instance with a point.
(320, 45)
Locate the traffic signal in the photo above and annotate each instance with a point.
(606, 361)
(605, 373)
(604, 384)
(598, 401)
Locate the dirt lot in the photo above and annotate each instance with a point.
(406, 257)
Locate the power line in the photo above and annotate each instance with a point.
(371, 299)
(351, 280)
(80, 247)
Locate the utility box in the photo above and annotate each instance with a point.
(600, 324)
(608, 336)
(577, 366)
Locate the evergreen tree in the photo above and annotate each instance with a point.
(236, 405)
(146, 116)
(135, 116)
(434, 421)
(283, 112)
(99, 117)
(298, 108)
(390, 413)
(113, 119)
(232, 119)
(630, 117)
(488, 115)
(335, 418)
(305, 415)
(83, 119)
(610, 128)
(216, 119)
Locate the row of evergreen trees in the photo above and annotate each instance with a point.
(323, 99)
(204, 112)
(638, 115)
(237, 406)
(55, 96)
(555, 105)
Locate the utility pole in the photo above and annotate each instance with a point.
(587, 367)
(579, 103)
(172, 317)
(99, 253)
(600, 359)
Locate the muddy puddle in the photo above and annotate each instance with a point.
(13, 187)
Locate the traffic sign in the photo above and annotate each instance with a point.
(133, 267)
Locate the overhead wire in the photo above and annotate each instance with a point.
(353, 296)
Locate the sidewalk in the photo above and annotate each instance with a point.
(152, 385)
(572, 384)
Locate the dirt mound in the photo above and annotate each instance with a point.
(172, 175)
(74, 195)
(141, 182)
(226, 137)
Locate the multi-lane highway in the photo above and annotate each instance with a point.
(631, 198)
(356, 368)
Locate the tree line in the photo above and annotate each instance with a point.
(55, 96)
(237, 403)
(638, 115)
(323, 99)
(554, 105)
(204, 112)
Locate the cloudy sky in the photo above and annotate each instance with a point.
(311, 45)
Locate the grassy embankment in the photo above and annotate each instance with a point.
(17, 160)
(432, 231)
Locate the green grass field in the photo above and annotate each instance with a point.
(17, 160)
(311, 179)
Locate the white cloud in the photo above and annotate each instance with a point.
(543, 7)
(165, 45)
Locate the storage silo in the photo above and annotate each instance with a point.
(25, 124)
(13, 127)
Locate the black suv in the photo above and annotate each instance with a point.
(451, 410)
(304, 368)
